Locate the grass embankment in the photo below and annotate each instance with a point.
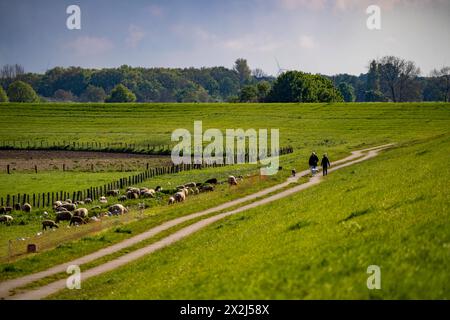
(391, 211)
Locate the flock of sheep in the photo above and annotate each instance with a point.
(75, 215)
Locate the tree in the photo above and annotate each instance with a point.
(11, 71)
(443, 82)
(19, 91)
(3, 96)
(243, 71)
(121, 94)
(263, 88)
(93, 94)
(296, 86)
(63, 95)
(259, 73)
(347, 91)
(249, 93)
(399, 79)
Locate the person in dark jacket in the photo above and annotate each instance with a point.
(325, 163)
(313, 161)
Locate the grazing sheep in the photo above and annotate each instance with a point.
(158, 189)
(148, 194)
(212, 181)
(180, 196)
(103, 199)
(4, 210)
(26, 207)
(190, 185)
(69, 206)
(6, 219)
(17, 207)
(68, 201)
(49, 224)
(63, 216)
(113, 193)
(180, 187)
(117, 209)
(134, 190)
(59, 209)
(207, 187)
(123, 198)
(132, 195)
(57, 204)
(76, 221)
(171, 200)
(232, 181)
(88, 200)
(195, 190)
(81, 212)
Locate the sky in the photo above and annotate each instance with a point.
(317, 36)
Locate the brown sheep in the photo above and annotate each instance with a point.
(6, 219)
(49, 224)
(206, 187)
(26, 207)
(180, 196)
(113, 193)
(77, 221)
(132, 195)
(63, 216)
(81, 212)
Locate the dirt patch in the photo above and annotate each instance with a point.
(45, 160)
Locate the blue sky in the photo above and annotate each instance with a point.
(319, 36)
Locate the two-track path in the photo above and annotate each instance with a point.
(7, 286)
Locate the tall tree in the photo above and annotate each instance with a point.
(399, 79)
(347, 91)
(19, 91)
(443, 82)
(243, 71)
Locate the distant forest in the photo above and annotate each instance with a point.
(388, 79)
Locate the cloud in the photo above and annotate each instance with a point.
(346, 5)
(310, 4)
(155, 10)
(307, 42)
(135, 36)
(89, 46)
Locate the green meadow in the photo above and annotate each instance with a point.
(391, 211)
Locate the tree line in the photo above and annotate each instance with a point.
(387, 79)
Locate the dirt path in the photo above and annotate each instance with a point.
(42, 292)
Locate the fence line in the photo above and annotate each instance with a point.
(46, 199)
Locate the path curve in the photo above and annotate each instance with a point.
(42, 292)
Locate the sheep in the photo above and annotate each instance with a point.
(190, 185)
(26, 207)
(207, 187)
(232, 181)
(17, 207)
(79, 202)
(132, 195)
(63, 216)
(158, 189)
(148, 194)
(81, 212)
(57, 204)
(76, 221)
(123, 198)
(195, 190)
(6, 219)
(117, 209)
(113, 193)
(59, 209)
(68, 201)
(171, 200)
(212, 181)
(180, 196)
(103, 199)
(180, 187)
(134, 190)
(49, 224)
(69, 206)
(4, 210)
(294, 172)
(88, 200)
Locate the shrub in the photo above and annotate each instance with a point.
(19, 91)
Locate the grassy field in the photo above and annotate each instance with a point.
(314, 240)
(391, 211)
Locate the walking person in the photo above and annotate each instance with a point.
(313, 161)
(325, 163)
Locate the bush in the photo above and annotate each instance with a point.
(121, 94)
(19, 91)
(3, 96)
